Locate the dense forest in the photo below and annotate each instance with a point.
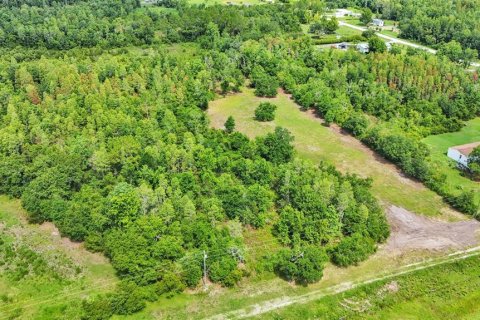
(103, 132)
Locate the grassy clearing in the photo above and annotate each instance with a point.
(448, 291)
(316, 142)
(66, 270)
(439, 145)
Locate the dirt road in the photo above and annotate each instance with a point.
(270, 305)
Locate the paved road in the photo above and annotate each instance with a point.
(392, 39)
(399, 41)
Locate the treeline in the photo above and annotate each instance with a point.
(389, 101)
(37, 3)
(114, 23)
(85, 24)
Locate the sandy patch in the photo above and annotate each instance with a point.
(413, 232)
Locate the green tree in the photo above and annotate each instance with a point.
(366, 16)
(277, 146)
(265, 111)
(123, 204)
(303, 265)
(474, 163)
(375, 44)
(229, 124)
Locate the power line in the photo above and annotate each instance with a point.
(190, 263)
(11, 306)
(73, 294)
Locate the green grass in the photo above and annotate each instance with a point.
(347, 32)
(389, 33)
(449, 291)
(439, 145)
(40, 296)
(316, 142)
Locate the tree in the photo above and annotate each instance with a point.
(128, 299)
(353, 250)
(123, 204)
(324, 26)
(375, 44)
(303, 265)
(474, 162)
(265, 84)
(366, 16)
(229, 124)
(276, 147)
(265, 111)
(452, 50)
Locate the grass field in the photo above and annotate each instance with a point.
(448, 291)
(316, 142)
(439, 145)
(54, 291)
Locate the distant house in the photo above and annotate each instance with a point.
(363, 47)
(342, 46)
(378, 22)
(340, 13)
(460, 153)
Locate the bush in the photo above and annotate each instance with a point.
(128, 299)
(225, 271)
(357, 124)
(265, 84)
(353, 250)
(303, 265)
(265, 111)
(170, 285)
(97, 309)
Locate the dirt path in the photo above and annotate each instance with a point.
(270, 305)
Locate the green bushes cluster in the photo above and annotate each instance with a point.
(265, 112)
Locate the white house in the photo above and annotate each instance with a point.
(460, 153)
(340, 13)
(378, 22)
(363, 47)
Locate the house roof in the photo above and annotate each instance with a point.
(466, 149)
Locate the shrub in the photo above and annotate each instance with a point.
(128, 299)
(97, 309)
(303, 265)
(265, 111)
(353, 250)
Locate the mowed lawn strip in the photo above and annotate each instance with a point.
(316, 142)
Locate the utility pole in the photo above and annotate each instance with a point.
(204, 270)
